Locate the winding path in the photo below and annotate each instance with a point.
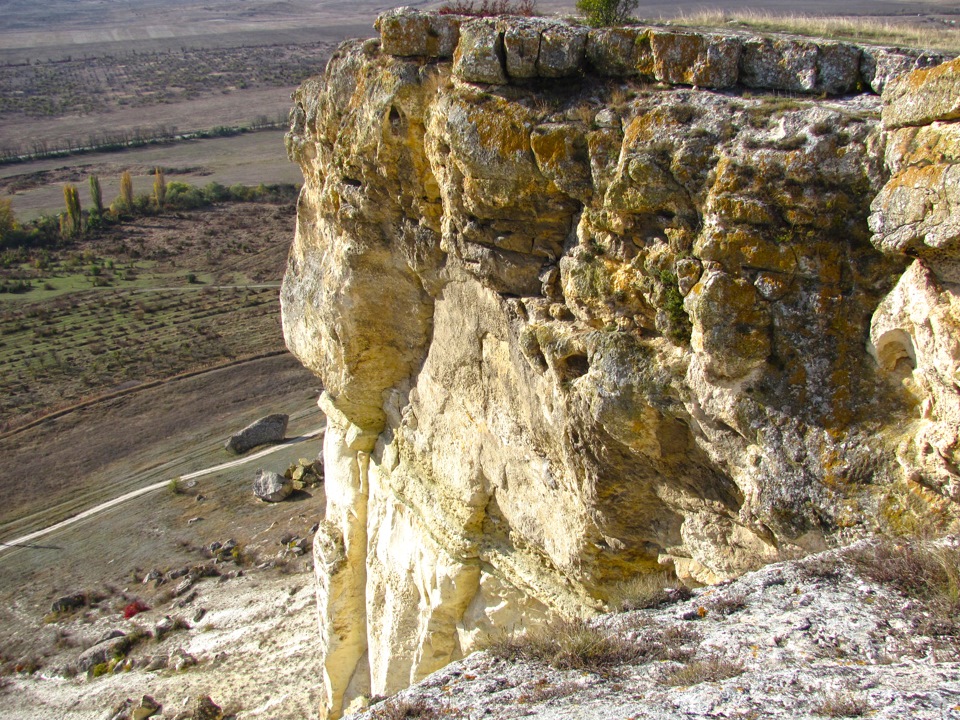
(96, 509)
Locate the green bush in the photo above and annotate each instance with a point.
(600, 13)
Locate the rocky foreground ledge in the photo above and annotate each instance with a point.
(575, 326)
(798, 641)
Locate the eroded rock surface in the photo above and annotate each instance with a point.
(574, 332)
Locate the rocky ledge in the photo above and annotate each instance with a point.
(579, 329)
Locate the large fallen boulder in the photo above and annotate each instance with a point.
(271, 487)
(269, 429)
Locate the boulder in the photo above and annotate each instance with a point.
(269, 429)
(102, 652)
(561, 50)
(68, 603)
(689, 58)
(206, 709)
(610, 51)
(270, 486)
(147, 707)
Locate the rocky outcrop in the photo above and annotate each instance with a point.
(575, 331)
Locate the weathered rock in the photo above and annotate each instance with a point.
(655, 324)
(102, 652)
(561, 50)
(521, 48)
(271, 487)
(406, 32)
(686, 58)
(800, 65)
(147, 707)
(923, 97)
(204, 708)
(611, 51)
(880, 65)
(180, 659)
(479, 55)
(68, 603)
(269, 429)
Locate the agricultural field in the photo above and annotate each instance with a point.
(140, 301)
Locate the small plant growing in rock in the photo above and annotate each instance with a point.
(134, 608)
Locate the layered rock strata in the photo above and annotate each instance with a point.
(577, 329)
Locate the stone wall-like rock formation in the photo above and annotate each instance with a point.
(574, 326)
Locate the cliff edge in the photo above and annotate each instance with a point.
(592, 303)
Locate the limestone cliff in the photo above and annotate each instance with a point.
(587, 303)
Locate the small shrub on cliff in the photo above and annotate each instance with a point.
(601, 13)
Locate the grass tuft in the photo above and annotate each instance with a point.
(649, 590)
(712, 669)
(566, 645)
(842, 705)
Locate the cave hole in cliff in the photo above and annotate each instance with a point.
(396, 120)
(895, 353)
(572, 366)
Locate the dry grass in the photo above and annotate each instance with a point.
(648, 591)
(566, 645)
(712, 669)
(919, 569)
(860, 29)
(399, 709)
(842, 705)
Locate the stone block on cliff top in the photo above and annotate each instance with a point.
(561, 50)
(923, 96)
(479, 55)
(610, 51)
(800, 66)
(521, 45)
(681, 58)
(405, 32)
(881, 65)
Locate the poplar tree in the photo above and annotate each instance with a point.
(159, 188)
(74, 222)
(96, 194)
(126, 191)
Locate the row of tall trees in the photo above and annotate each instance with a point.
(73, 223)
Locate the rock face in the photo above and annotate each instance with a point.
(269, 429)
(575, 332)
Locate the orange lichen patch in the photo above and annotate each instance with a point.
(502, 126)
(920, 78)
(694, 59)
